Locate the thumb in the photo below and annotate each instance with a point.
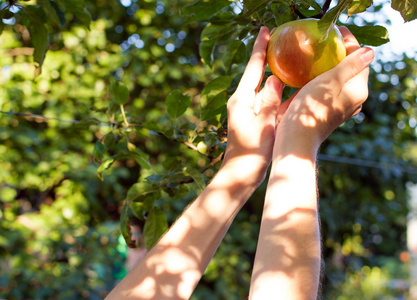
(271, 97)
(351, 65)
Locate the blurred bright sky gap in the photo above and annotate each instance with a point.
(402, 35)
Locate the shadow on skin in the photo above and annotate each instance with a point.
(292, 261)
(310, 113)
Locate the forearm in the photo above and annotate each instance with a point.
(288, 257)
(174, 266)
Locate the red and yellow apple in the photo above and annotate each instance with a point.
(296, 56)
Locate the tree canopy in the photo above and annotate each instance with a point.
(113, 112)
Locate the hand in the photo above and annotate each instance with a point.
(252, 116)
(331, 98)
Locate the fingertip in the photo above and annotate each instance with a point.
(351, 65)
(264, 31)
(344, 30)
(366, 54)
(274, 83)
(351, 43)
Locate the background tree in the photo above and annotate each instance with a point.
(114, 112)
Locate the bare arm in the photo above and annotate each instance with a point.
(176, 263)
(288, 257)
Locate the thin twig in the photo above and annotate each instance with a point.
(124, 115)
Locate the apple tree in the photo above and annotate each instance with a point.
(115, 112)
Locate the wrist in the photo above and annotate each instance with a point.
(301, 142)
(248, 171)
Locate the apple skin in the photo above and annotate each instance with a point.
(295, 55)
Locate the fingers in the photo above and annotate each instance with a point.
(351, 43)
(271, 98)
(254, 71)
(351, 65)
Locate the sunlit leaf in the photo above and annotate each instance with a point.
(214, 96)
(105, 165)
(327, 22)
(370, 35)
(358, 6)
(407, 8)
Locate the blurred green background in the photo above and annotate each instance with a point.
(60, 235)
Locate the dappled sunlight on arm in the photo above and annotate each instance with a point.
(173, 267)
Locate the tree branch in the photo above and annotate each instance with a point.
(324, 9)
(297, 12)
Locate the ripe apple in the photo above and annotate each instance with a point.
(295, 55)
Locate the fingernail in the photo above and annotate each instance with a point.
(366, 55)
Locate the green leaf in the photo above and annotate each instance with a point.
(204, 9)
(59, 13)
(328, 21)
(155, 226)
(99, 151)
(141, 157)
(119, 92)
(177, 103)
(154, 178)
(358, 6)
(125, 227)
(214, 88)
(206, 49)
(105, 165)
(374, 35)
(312, 4)
(283, 15)
(235, 53)
(79, 10)
(110, 139)
(197, 176)
(209, 38)
(254, 5)
(213, 32)
(407, 8)
(209, 113)
(50, 12)
(214, 96)
(40, 40)
(139, 189)
(141, 197)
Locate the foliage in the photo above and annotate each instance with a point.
(136, 94)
